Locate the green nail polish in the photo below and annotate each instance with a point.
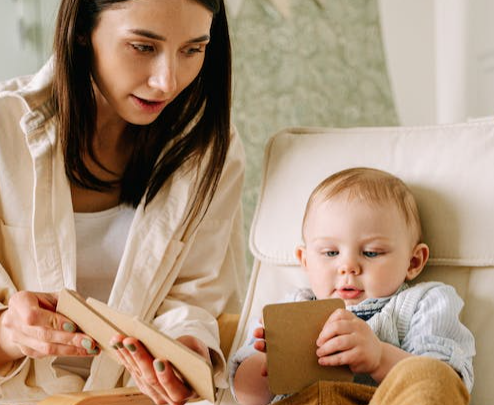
(159, 366)
(131, 347)
(93, 351)
(68, 327)
(87, 344)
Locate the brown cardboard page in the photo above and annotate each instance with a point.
(291, 331)
(102, 322)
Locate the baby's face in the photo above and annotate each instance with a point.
(356, 250)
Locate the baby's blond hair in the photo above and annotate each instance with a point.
(370, 185)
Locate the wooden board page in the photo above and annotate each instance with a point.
(101, 322)
(291, 331)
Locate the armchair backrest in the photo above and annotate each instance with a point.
(450, 170)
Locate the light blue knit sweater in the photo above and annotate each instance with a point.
(423, 320)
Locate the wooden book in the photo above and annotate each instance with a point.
(115, 396)
(291, 331)
(101, 322)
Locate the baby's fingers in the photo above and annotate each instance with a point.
(260, 345)
(258, 333)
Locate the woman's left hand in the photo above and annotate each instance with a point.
(156, 377)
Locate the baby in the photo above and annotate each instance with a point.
(362, 243)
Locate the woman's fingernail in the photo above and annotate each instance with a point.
(68, 327)
(93, 351)
(131, 347)
(159, 366)
(87, 344)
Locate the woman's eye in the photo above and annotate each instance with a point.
(193, 50)
(368, 253)
(331, 253)
(142, 48)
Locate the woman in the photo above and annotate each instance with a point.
(119, 177)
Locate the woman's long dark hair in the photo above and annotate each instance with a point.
(161, 147)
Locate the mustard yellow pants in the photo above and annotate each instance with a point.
(413, 381)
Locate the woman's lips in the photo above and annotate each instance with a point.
(349, 293)
(149, 106)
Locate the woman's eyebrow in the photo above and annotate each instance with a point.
(147, 34)
(153, 35)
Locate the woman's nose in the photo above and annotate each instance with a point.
(164, 76)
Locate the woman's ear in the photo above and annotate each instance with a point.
(301, 254)
(419, 258)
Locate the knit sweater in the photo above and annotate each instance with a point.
(423, 320)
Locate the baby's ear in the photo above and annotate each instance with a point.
(301, 255)
(419, 258)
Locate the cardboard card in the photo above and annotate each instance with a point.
(291, 331)
(101, 322)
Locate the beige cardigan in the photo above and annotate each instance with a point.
(179, 276)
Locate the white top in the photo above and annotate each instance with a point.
(100, 242)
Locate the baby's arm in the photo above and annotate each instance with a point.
(435, 330)
(250, 382)
(347, 340)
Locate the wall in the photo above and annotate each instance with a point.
(26, 35)
(481, 58)
(440, 57)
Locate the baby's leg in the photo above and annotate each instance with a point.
(331, 393)
(421, 380)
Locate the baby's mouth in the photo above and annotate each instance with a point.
(349, 293)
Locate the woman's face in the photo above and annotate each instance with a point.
(145, 53)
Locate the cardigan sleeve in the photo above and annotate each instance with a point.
(435, 330)
(211, 277)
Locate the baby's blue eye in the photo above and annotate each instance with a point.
(331, 253)
(371, 254)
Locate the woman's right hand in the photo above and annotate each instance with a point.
(30, 326)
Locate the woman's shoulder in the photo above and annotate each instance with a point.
(236, 149)
(32, 90)
(26, 101)
(13, 85)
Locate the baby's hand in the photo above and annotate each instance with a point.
(260, 345)
(347, 340)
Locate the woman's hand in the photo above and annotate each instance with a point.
(347, 340)
(31, 327)
(156, 377)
